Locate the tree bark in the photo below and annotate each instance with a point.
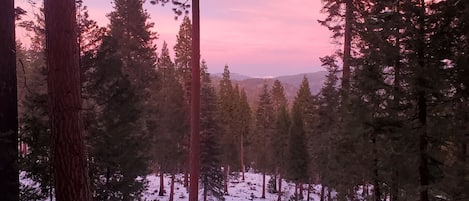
(9, 182)
(69, 156)
(195, 109)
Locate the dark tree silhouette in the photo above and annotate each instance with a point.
(8, 105)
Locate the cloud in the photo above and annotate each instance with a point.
(261, 37)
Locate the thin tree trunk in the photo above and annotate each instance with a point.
(171, 191)
(394, 185)
(242, 156)
(8, 105)
(275, 183)
(309, 191)
(195, 109)
(225, 186)
(263, 185)
(279, 187)
(161, 193)
(296, 192)
(301, 191)
(322, 193)
(329, 194)
(463, 184)
(69, 155)
(376, 187)
(205, 192)
(347, 47)
(186, 176)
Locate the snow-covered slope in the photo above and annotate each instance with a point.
(250, 189)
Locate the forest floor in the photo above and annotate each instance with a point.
(238, 190)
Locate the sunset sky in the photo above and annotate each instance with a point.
(254, 37)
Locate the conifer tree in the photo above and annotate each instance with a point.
(264, 130)
(117, 149)
(227, 111)
(182, 61)
(171, 118)
(211, 174)
(280, 144)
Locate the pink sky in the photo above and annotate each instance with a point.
(254, 37)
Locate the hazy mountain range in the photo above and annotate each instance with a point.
(291, 83)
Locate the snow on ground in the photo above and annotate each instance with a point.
(250, 189)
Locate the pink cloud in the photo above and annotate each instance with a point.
(262, 37)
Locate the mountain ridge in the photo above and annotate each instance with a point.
(291, 84)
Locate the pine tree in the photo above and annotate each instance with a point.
(227, 99)
(244, 124)
(183, 55)
(280, 143)
(264, 130)
(117, 149)
(171, 117)
(211, 175)
(137, 53)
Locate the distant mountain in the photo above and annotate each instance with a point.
(291, 83)
(233, 76)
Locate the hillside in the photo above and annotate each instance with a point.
(291, 83)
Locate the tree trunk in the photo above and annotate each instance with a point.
(205, 193)
(279, 187)
(322, 193)
(225, 186)
(263, 185)
(462, 183)
(195, 105)
(161, 193)
(301, 191)
(186, 176)
(242, 156)
(394, 185)
(296, 192)
(329, 194)
(9, 182)
(309, 191)
(376, 187)
(171, 191)
(275, 183)
(347, 46)
(422, 108)
(69, 155)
